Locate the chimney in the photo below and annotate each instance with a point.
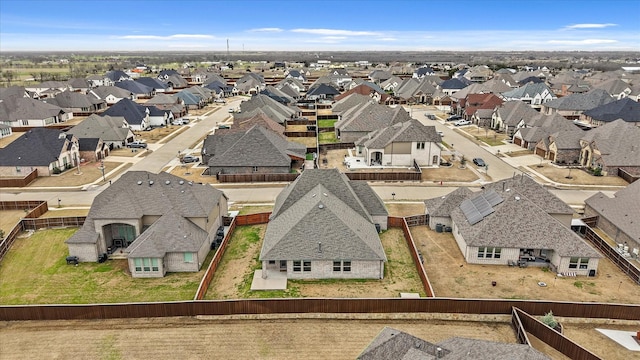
(439, 353)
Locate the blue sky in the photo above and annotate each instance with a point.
(401, 25)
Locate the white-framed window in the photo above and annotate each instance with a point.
(420, 145)
(578, 263)
(188, 257)
(146, 264)
(489, 253)
(306, 266)
(297, 266)
(255, 169)
(344, 266)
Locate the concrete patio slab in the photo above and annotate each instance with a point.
(275, 281)
(624, 338)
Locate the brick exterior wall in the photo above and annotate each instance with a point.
(568, 156)
(84, 252)
(322, 269)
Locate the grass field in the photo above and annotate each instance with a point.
(326, 123)
(34, 271)
(327, 138)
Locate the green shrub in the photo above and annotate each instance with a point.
(549, 320)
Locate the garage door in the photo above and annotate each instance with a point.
(517, 141)
(552, 156)
(540, 152)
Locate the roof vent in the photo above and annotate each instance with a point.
(168, 182)
(139, 182)
(508, 190)
(181, 182)
(517, 198)
(314, 195)
(325, 194)
(190, 182)
(150, 182)
(321, 206)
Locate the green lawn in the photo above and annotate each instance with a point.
(34, 271)
(491, 141)
(326, 123)
(327, 138)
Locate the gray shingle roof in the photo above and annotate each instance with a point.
(108, 128)
(170, 233)
(442, 206)
(625, 109)
(270, 107)
(408, 131)
(527, 90)
(36, 147)
(396, 344)
(320, 226)
(134, 113)
(585, 101)
(135, 87)
(620, 209)
(15, 108)
(618, 143)
(103, 91)
(371, 116)
(465, 349)
(257, 146)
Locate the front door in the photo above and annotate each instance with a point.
(283, 265)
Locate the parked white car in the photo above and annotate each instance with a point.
(462, 122)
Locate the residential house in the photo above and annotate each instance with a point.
(379, 76)
(77, 104)
(325, 226)
(164, 75)
(322, 91)
(277, 95)
(451, 86)
(293, 83)
(203, 93)
(473, 102)
(111, 94)
(339, 76)
(256, 150)
(92, 149)
(572, 106)
(20, 112)
(625, 109)
(137, 116)
(250, 84)
(517, 221)
(391, 84)
(114, 131)
(155, 84)
(175, 82)
(367, 88)
(396, 344)
(160, 222)
(509, 114)
(617, 88)
(99, 80)
(422, 71)
(493, 86)
(264, 104)
(610, 147)
(159, 117)
(168, 102)
(415, 91)
(401, 144)
(561, 147)
(366, 117)
(532, 130)
(49, 151)
(615, 216)
(79, 85)
(139, 90)
(534, 94)
(295, 74)
(478, 74)
(116, 76)
(48, 88)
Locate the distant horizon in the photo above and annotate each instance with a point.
(315, 26)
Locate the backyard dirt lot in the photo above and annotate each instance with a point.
(189, 338)
(451, 276)
(9, 219)
(576, 176)
(233, 278)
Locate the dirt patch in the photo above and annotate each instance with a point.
(89, 172)
(449, 174)
(403, 209)
(157, 134)
(576, 176)
(55, 212)
(233, 278)
(9, 139)
(9, 219)
(451, 276)
(125, 152)
(190, 172)
(596, 342)
(190, 338)
(309, 142)
(546, 349)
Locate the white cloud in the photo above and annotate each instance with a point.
(589, 26)
(169, 37)
(387, 39)
(336, 32)
(583, 42)
(334, 38)
(267, 29)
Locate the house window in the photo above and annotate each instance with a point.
(489, 253)
(306, 266)
(578, 263)
(344, 266)
(146, 264)
(255, 169)
(297, 267)
(188, 257)
(18, 169)
(420, 145)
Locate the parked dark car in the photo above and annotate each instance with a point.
(190, 159)
(479, 162)
(137, 145)
(454, 117)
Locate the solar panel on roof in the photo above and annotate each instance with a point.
(492, 197)
(470, 212)
(477, 208)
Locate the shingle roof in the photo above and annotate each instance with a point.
(134, 113)
(269, 106)
(396, 344)
(108, 128)
(88, 144)
(255, 147)
(620, 209)
(464, 349)
(442, 206)
(618, 143)
(36, 147)
(371, 116)
(135, 87)
(170, 233)
(20, 108)
(625, 109)
(70, 99)
(103, 91)
(527, 90)
(308, 213)
(408, 131)
(586, 101)
(153, 83)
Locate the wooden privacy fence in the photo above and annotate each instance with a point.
(213, 266)
(336, 146)
(20, 182)
(300, 133)
(610, 252)
(384, 176)
(416, 256)
(521, 332)
(553, 338)
(318, 305)
(37, 208)
(235, 178)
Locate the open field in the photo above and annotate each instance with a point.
(190, 338)
(577, 176)
(49, 280)
(233, 278)
(451, 276)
